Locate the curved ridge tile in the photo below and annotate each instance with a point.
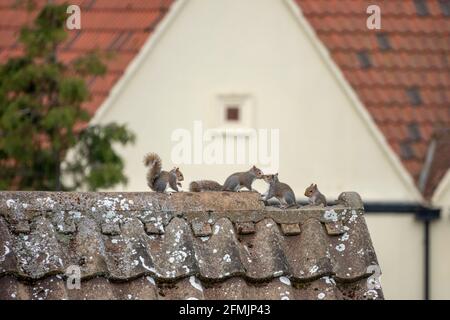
(360, 290)
(159, 219)
(266, 255)
(191, 288)
(50, 288)
(230, 289)
(64, 221)
(8, 262)
(143, 288)
(352, 252)
(237, 288)
(279, 288)
(17, 202)
(88, 248)
(219, 257)
(214, 201)
(185, 289)
(38, 253)
(308, 253)
(324, 288)
(126, 254)
(12, 209)
(98, 288)
(175, 256)
(107, 238)
(12, 289)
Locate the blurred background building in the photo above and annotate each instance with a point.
(358, 109)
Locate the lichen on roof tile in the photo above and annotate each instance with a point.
(67, 230)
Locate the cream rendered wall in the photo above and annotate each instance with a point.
(254, 47)
(440, 240)
(258, 47)
(398, 242)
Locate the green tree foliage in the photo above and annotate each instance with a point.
(41, 118)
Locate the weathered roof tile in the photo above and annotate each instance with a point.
(352, 252)
(201, 228)
(88, 248)
(219, 257)
(8, 261)
(310, 258)
(245, 227)
(110, 229)
(67, 230)
(290, 229)
(334, 228)
(176, 257)
(126, 252)
(267, 258)
(39, 252)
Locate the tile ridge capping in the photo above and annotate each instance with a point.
(203, 206)
(199, 200)
(129, 201)
(348, 203)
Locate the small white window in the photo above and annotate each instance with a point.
(234, 111)
(234, 124)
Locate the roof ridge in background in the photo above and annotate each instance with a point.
(344, 39)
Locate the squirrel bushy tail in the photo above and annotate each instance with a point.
(153, 161)
(205, 185)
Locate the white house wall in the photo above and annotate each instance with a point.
(398, 241)
(440, 240)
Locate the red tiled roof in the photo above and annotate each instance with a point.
(415, 68)
(417, 59)
(117, 26)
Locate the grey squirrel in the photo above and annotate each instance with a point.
(159, 180)
(279, 190)
(314, 195)
(205, 185)
(235, 182)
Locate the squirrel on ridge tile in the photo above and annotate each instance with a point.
(279, 190)
(314, 195)
(234, 182)
(159, 180)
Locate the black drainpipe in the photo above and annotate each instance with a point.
(426, 225)
(421, 213)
